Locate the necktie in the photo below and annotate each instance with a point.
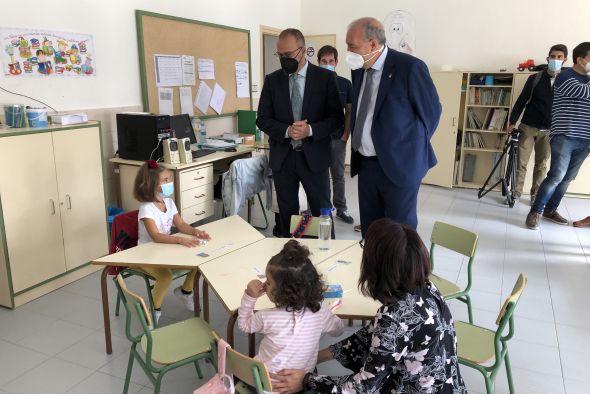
(296, 103)
(359, 124)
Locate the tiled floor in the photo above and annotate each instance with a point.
(56, 345)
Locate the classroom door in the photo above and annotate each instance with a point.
(270, 62)
(444, 140)
(315, 42)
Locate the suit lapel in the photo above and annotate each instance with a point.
(309, 80)
(386, 79)
(283, 91)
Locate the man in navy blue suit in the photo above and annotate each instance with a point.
(395, 110)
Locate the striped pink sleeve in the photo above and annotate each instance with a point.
(248, 321)
(332, 324)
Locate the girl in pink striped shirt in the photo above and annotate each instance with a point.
(293, 328)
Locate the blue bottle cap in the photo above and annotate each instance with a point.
(325, 211)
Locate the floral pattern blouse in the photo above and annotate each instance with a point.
(409, 348)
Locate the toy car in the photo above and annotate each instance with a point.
(529, 64)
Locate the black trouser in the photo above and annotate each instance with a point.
(380, 198)
(316, 185)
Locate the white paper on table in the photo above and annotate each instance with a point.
(242, 80)
(188, 70)
(168, 70)
(203, 97)
(218, 98)
(166, 104)
(186, 100)
(206, 69)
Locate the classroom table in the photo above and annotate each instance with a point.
(250, 262)
(228, 235)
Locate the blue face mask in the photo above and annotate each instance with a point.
(555, 65)
(328, 67)
(167, 190)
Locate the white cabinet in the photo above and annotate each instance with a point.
(53, 209)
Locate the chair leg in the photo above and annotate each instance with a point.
(263, 213)
(148, 287)
(509, 373)
(128, 374)
(199, 373)
(350, 321)
(158, 383)
(469, 311)
(118, 304)
(489, 385)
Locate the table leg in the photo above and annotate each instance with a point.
(252, 344)
(105, 310)
(206, 300)
(196, 297)
(231, 322)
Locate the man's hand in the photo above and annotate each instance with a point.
(288, 381)
(299, 130)
(255, 288)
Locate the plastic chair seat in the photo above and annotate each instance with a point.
(179, 341)
(446, 287)
(243, 388)
(475, 344)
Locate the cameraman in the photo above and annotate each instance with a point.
(570, 137)
(536, 99)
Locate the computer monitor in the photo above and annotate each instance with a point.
(181, 124)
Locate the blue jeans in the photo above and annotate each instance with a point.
(567, 156)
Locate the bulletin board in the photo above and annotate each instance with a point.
(159, 34)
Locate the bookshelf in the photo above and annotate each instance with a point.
(485, 113)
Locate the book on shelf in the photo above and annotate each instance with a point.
(469, 167)
(456, 173)
(496, 174)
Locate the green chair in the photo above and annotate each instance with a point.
(253, 375)
(165, 348)
(463, 242)
(477, 347)
(312, 230)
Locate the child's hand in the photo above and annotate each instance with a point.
(188, 242)
(255, 288)
(202, 235)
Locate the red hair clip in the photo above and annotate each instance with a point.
(152, 164)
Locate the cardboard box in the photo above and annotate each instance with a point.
(249, 139)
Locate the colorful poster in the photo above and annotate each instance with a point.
(46, 53)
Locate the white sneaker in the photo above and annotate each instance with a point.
(187, 299)
(157, 315)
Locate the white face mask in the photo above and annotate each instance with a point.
(554, 65)
(588, 67)
(356, 61)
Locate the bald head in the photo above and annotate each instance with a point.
(371, 29)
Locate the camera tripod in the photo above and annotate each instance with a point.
(508, 181)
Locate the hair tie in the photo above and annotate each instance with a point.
(152, 164)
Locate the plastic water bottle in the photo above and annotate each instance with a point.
(325, 232)
(202, 133)
(196, 122)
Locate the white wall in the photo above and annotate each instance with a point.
(112, 23)
(467, 34)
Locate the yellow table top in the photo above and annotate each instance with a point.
(228, 275)
(228, 235)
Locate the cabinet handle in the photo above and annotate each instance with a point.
(199, 178)
(68, 201)
(199, 196)
(200, 213)
(52, 206)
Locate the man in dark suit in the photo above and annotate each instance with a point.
(299, 109)
(395, 110)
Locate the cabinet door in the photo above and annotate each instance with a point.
(448, 86)
(81, 194)
(31, 209)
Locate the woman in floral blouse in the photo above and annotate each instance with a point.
(410, 347)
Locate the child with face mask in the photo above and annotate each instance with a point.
(154, 188)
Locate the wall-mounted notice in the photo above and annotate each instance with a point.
(168, 70)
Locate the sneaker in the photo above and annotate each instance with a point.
(157, 315)
(532, 220)
(357, 228)
(555, 217)
(186, 299)
(345, 217)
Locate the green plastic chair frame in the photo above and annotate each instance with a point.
(463, 242)
(475, 341)
(194, 327)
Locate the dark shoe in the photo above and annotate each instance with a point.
(582, 223)
(555, 218)
(515, 198)
(357, 228)
(345, 217)
(532, 220)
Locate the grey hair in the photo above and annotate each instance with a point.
(295, 33)
(372, 29)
